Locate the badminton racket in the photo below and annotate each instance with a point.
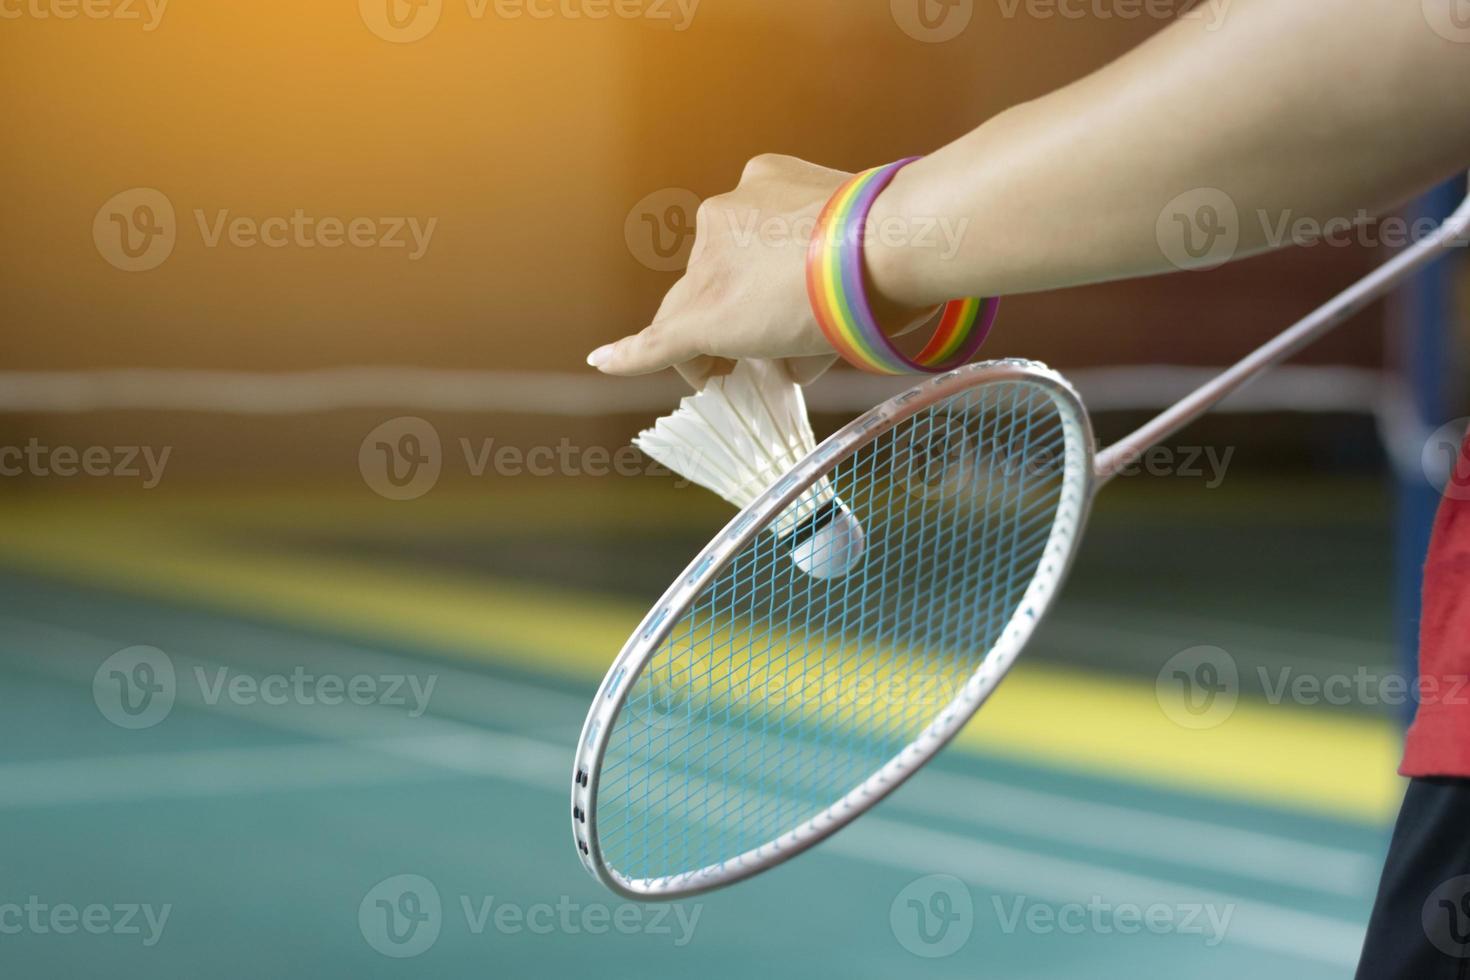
(756, 710)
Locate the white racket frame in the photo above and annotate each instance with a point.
(1085, 471)
(1072, 505)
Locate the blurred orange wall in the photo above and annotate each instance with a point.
(526, 141)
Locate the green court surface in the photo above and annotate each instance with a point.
(276, 836)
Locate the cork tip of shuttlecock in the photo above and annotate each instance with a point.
(832, 551)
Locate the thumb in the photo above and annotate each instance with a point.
(655, 347)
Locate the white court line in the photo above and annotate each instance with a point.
(202, 773)
(1291, 388)
(1115, 829)
(1208, 846)
(140, 776)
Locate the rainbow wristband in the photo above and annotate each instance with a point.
(834, 281)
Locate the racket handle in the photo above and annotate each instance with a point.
(1329, 316)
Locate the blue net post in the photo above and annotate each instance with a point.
(1425, 340)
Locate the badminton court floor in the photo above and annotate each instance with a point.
(266, 824)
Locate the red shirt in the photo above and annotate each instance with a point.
(1439, 740)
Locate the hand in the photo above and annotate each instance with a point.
(744, 293)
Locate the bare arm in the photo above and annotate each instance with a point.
(1304, 109)
(1287, 108)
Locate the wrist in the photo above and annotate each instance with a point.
(844, 293)
(897, 282)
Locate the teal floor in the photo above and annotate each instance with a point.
(275, 838)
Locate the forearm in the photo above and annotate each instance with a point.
(1292, 108)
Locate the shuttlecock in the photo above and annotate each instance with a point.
(740, 435)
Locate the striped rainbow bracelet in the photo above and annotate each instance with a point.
(835, 278)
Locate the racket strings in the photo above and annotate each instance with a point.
(776, 693)
(764, 746)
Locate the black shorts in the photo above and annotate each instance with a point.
(1420, 928)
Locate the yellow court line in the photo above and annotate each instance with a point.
(1340, 766)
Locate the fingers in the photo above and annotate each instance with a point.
(661, 345)
(769, 165)
(700, 369)
(805, 370)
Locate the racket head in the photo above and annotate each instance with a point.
(686, 676)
